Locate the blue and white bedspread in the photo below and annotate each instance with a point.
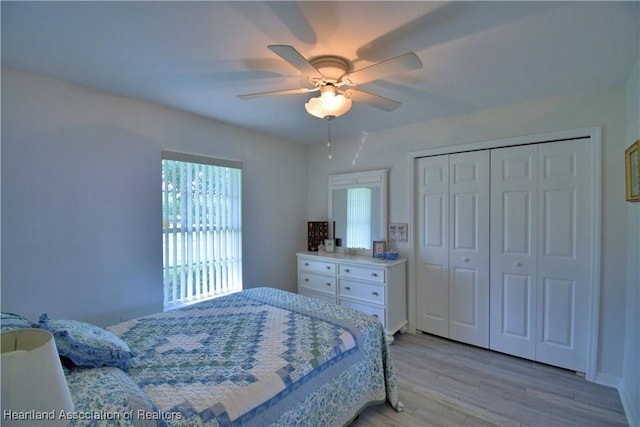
(258, 357)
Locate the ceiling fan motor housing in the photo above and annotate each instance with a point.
(331, 67)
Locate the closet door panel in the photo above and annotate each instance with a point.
(564, 248)
(516, 317)
(469, 248)
(464, 300)
(516, 227)
(559, 219)
(432, 290)
(559, 305)
(465, 211)
(433, 300)
(513, 250)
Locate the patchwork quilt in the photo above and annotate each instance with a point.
(258, 357)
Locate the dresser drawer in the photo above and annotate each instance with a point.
(364, 308)
(317, 295)
(318, 266)
(362, 291)
(376, 288)
(365, 273)
(318, 283)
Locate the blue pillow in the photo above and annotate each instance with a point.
(10, 321)
(86, 344)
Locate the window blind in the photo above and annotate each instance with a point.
(358, 217)
(201, 224)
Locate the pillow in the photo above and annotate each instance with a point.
(10, 321)
(111, 391)
(87, 345)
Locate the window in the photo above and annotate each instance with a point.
(359, 217)
(201, 228)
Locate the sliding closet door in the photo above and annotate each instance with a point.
(564, 253)
(432, 272)
(469, 247)
(514, 183)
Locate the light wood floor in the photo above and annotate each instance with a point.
(445, 383)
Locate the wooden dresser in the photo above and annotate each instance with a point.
(375, 287)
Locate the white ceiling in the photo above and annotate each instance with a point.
(197, 56)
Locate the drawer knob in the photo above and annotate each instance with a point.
(375, 315)
(306, 264)
(466, 259)
(346, 270)
(375, 294)
(306, 279)
(517, 264)
(348, 288)
(374, 274)
(328, 284)
(328, 267)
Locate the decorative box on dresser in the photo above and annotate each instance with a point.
(375, 287)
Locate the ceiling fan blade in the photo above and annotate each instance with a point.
(293, 57)
(375, 101)
(278, 92)
(399, 64)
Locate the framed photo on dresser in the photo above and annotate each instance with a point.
(379, 248)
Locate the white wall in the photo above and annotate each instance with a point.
(630, 384)
(605, 107)
(81, 202)
(74, 160)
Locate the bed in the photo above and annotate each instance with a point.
(258, 357)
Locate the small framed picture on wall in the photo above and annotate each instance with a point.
(398, 232)
(379, 248)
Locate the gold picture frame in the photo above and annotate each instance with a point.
(632, 172)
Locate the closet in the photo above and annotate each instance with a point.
(453, 283)
(504, 249)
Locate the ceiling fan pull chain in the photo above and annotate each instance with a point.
(329, 118)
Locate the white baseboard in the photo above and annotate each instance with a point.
(607, 380)
(631, 409)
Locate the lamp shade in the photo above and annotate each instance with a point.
(34, 389)
(331, 103)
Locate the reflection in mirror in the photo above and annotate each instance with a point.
(358, 206)
(357, 224)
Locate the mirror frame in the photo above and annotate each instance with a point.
(374, 178)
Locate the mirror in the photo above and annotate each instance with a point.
(358, 208)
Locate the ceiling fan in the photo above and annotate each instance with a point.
(329, 74)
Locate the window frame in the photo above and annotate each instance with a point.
(202, 239)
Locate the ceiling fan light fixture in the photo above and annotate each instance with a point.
(331, 103)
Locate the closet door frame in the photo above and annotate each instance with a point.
(592, 135)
